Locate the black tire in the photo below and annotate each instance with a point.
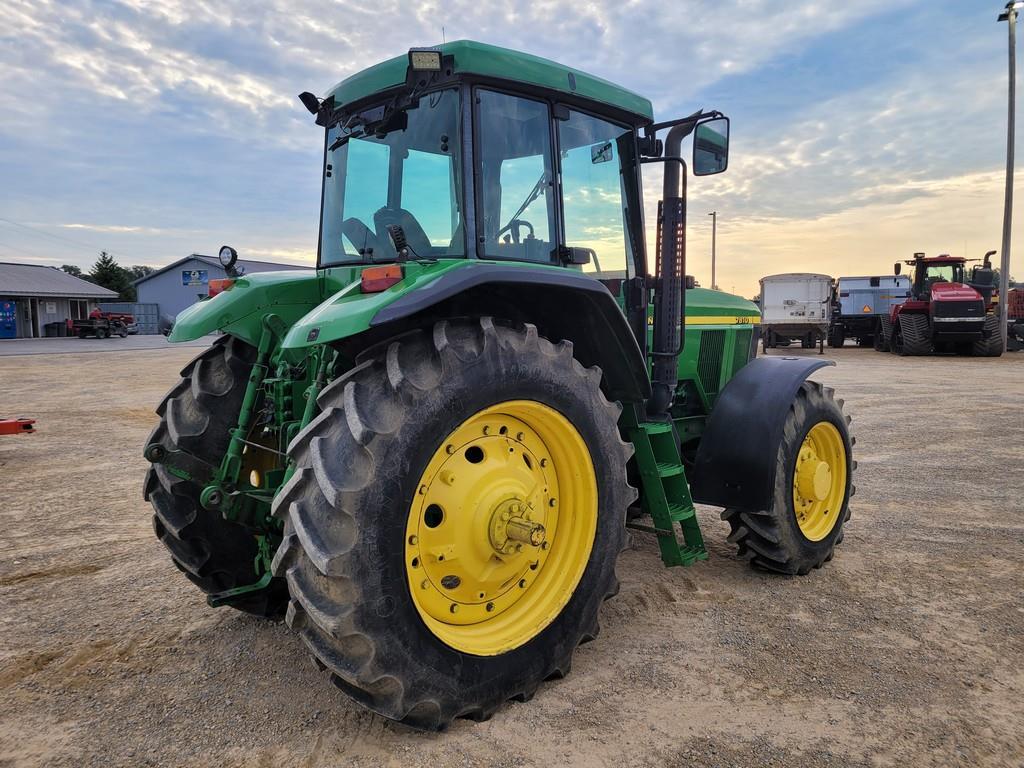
(837, 336)
(101, 333)
(771, 539)
(196, 416)
(883, 334)
(991, 342)
(912, 336)
(347, 505)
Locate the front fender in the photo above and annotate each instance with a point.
(240, 309)
(735, 464)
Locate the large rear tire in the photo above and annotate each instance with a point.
(196, 416)
(811, 502)
(362, 553)
(991, 343)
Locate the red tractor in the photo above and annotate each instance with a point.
(945, 312)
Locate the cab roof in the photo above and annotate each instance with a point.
(490, 61)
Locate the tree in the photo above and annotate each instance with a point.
(139, 271)
(75, 271)
(108, 273)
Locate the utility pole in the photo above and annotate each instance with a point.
(714, 234)
(1008, 15)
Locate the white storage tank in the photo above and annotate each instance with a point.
(795, 307)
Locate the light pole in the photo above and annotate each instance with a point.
(714, 234)
(1009, 15)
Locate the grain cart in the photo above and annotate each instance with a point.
(424, 453)
(945, 312)
(859, 303)
(795, 307)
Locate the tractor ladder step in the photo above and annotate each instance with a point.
(666, 494)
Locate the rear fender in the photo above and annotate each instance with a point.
(239, 310)
(562, 303)
(736, 458)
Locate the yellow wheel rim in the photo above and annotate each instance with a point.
(819, 481)
(501, 528)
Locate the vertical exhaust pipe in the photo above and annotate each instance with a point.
(670, 272)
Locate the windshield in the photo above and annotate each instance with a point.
(944, 273)
(407, 177)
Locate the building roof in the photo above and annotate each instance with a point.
(37, 280)
(500, 63)
(249, 265)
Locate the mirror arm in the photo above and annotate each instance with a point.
(696, 117)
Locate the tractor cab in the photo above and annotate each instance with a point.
(945, 270)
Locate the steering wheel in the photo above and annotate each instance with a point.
(513, 228)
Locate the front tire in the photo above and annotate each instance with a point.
(991, 343)
(196, 416)
(912, 336)
(352, 551)
(811, 503)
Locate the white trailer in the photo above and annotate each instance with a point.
(795, 307)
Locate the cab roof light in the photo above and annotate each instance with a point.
(424, 60)
(377, 279)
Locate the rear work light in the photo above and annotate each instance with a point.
(377, 279)
(219, 286)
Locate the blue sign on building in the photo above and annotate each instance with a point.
(194, 277)
(8, 320)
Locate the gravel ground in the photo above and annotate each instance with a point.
(905, 650)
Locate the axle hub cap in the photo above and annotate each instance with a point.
(501, 527)
(819, 481)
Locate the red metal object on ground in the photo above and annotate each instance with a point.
(16, 426)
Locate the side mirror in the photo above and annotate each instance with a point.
(897, 268)
(575, 256)
(711, 147)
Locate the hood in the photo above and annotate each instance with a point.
(954, 292)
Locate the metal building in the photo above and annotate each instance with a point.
(185, 281)
(37, 300)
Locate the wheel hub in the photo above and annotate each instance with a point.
(819, 481)
(511, 528)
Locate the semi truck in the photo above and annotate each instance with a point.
(795, 307)
(860, 303)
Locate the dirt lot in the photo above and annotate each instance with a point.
(906, 650)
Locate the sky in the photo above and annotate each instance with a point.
(862, 131)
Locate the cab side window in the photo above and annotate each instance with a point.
(514, 163)
(594, 153)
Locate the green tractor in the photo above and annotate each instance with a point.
(426, 453)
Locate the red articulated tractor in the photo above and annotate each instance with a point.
(946, 311)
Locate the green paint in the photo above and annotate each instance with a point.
(472, 58)
(240, 310)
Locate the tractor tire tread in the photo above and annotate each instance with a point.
(991, 343)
